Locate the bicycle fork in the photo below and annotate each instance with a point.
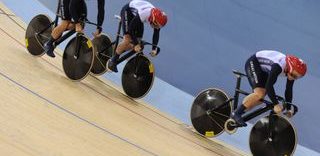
(271, 127)
(78, 46)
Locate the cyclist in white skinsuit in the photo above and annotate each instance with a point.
(133, 16)
(263, 68)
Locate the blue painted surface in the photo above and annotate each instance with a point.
(205, 39)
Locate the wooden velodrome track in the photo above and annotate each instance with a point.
(42, 113)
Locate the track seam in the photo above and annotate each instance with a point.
(10, 16)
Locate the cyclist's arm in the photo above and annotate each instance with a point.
(155, 38)
(101, 12)
(272, 78)
(288, 91)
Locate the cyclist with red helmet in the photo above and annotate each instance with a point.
(133, 16)
(263, 69)
(75, 10)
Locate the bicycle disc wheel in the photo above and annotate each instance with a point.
(103, 52)
(137, 77)
(278, 139)
(210, 124)
(35, 41)
(78, 67)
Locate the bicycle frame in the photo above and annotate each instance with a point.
(268, 105)
(132, 52)
(116, 43)
(69, 33)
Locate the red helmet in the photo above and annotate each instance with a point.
(294, 63)
(158, 16)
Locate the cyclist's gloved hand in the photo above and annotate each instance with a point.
(137, 48)
(155, 52)
(278, 108)
(98, 32)
(289, 113)
(79, 28)
(290, 110)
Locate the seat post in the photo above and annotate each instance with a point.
(118, 34)
(57, 14)
(236, 92)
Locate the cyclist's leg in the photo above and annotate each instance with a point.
(65, 22)
(78, 12)
(125, 45)
(138, 34)
(257, 80)
(71, 26)
(58, 30)
(254, 98)
(126, 18)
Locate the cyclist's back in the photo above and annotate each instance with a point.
(267, 58)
